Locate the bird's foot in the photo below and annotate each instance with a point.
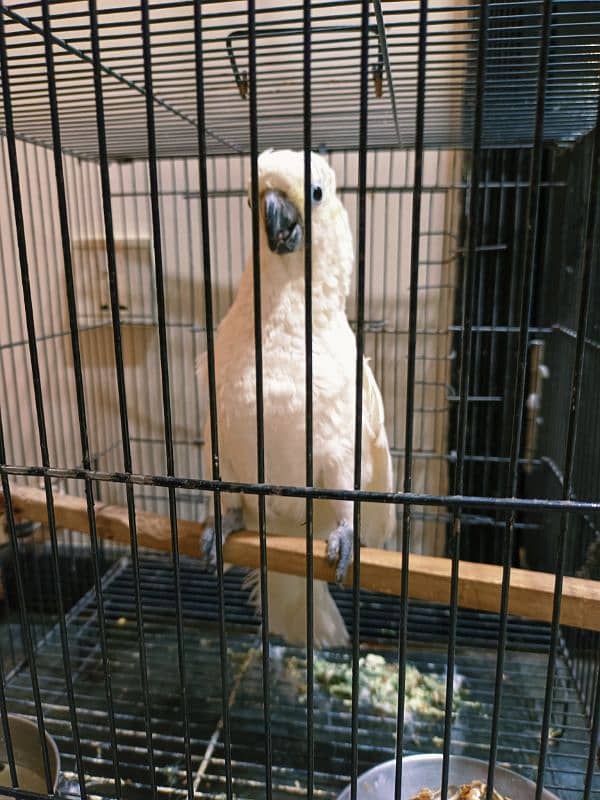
(340, 550)
(231, 521)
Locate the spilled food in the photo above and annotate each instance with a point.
(476, 790)
(425, 694)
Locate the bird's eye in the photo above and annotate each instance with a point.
(316, 194)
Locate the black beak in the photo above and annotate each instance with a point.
(282, 223)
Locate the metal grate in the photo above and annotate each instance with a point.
(427, 632)
(451, 56)
(136, 680)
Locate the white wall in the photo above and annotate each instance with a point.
(389, 220)
(389, 215)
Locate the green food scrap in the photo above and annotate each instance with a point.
(239, 658)
(554, 734)
(173, 774)
(425, 694)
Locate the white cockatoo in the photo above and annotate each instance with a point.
(281, 198)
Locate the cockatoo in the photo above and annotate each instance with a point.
(281, 197)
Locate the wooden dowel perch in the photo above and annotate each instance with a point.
(531, 593)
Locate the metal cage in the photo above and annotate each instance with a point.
(465, 140)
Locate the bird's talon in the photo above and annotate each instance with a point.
(340, 549)
(209, 548)
(231, 521)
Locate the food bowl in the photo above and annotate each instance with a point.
(421, 771)
(27, 751)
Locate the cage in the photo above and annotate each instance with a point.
(464, 139)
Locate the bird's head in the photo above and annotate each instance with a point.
(281, 200)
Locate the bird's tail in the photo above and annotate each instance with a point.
(287, 610)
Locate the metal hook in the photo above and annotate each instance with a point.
(241, 76)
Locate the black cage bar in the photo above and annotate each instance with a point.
(464, 141)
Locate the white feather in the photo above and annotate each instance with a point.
(283, 369)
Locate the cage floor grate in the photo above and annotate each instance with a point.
(525, 673)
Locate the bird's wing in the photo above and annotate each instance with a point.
(373, 415)
(201, 370)
(202, 378)
(377, 463)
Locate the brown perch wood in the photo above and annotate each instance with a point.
(531, 593)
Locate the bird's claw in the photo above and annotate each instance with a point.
(340, 550)
(208, 547)
(230, 522)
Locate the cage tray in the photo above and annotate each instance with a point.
(525, 672)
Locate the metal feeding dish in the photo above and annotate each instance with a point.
(27, 751)
(420, 771)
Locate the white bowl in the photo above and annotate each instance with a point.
(27, 751)
(421, 771)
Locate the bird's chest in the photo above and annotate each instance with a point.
(284, 391)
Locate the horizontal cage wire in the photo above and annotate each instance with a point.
(428, 627)
(465, 143)
(514, 36)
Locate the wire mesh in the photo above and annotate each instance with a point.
(427, 630)
(514, 37)
(458, 134)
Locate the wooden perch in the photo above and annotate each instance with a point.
(531, 593)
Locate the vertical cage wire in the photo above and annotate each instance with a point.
(358, 418)
(114, 303)
(410, 389)
(42, 430)
(526, 300)
(575, 395)
(181, 200)
(465, 380)
(214, 431)
(564, 272)
(260, 421)
(308, 349)
(68, 267)
(165, 379)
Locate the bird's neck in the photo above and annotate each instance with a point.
(283, 296)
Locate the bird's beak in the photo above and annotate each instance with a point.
(282, 223)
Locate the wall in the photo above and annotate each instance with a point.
(389, 215)
(389, 219)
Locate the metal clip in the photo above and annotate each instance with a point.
(378, 79)
(241, 77)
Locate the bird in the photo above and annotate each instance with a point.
(334, 364)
